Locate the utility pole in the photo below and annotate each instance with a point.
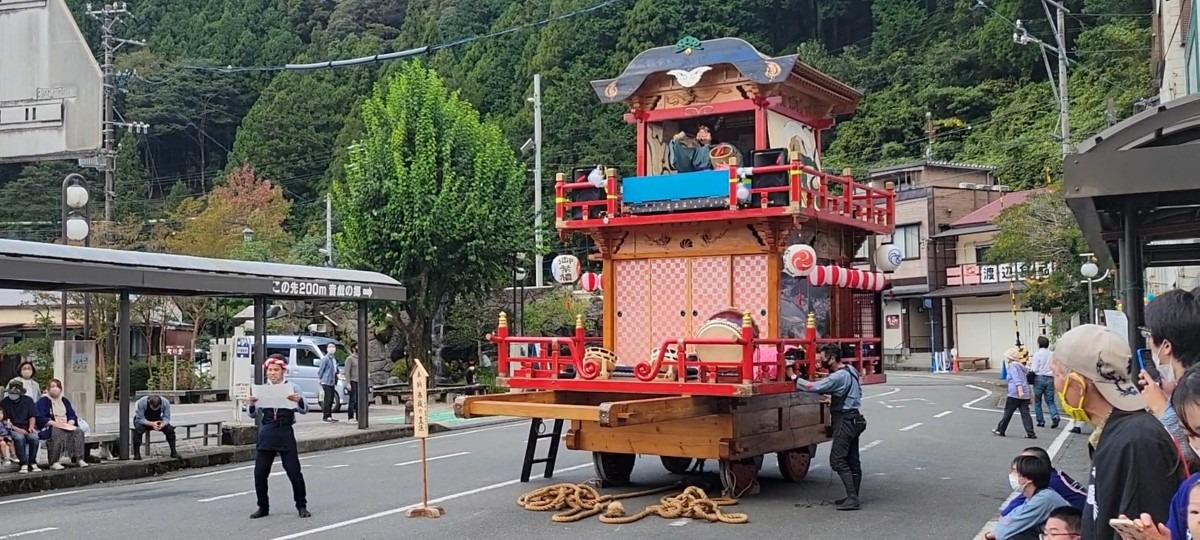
(328, 231)
(1059, 23)
(1060, 34)
(109, 15)
(537, 176)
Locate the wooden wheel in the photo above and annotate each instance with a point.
(739, 477)
(677, 465)
(794, 464)
(613, 469)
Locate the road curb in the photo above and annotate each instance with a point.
(12, 483)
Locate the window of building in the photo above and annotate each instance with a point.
(981, 254)
(908, 239)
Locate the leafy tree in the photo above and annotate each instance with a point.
(1043, 229)
(131, 200)
(212, 226)
(433, 196)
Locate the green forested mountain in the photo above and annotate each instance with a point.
(988, 97)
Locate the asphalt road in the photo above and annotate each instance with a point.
(933, 470)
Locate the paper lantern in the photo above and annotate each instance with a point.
(880, 282)
(818, 276)
(868, 281)
(600, 282)
(856, 278)
(838, 276)
(565, 269)
(888, 257)
(589, 281)
(799, 260)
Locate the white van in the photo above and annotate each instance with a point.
(303, 354)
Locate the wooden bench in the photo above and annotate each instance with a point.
(107, 443)
(974, 362)
(186, 396)
(211, 430)
(442, 394)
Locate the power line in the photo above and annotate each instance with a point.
(399, 55)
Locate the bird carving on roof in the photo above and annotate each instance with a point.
(688, 78)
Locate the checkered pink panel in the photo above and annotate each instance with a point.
(750, 288)
(710, 289)
(631, 295)
(668, 292)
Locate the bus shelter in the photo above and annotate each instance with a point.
(1133, 190)
(52, 267)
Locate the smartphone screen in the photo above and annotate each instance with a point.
(1146, 362)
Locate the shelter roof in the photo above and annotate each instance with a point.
(53, 267)
(1145, 167)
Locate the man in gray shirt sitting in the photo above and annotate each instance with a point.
(152, 413)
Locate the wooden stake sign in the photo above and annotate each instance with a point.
(420, 386)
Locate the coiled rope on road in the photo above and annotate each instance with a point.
(580, 501)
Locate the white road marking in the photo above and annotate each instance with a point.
(1054, 449)
(888, 393)
(435, 458)
(230, 496)
(679, 522)
(411, 444)
(986, 394)
(911, 399)
(912, 426)
(943, 413)
(336, 466)
(27, 533)
(213, 473)
(46, 496)
(394, 511)
(869, 445)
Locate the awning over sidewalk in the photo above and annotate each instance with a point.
(984, 289)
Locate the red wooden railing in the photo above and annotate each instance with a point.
(819, 193)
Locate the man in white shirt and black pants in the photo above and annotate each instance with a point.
(1043, 384)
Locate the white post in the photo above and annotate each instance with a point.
(537, 175)
(328, 230)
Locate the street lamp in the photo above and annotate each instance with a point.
(247, 235)
(76, 228)
(1089, 271)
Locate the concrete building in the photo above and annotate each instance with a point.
(982, 312)
(930, 196)
(1175, 58)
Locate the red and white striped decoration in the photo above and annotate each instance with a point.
(589, 281)
(823, 276)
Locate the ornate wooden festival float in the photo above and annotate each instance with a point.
(718, 274)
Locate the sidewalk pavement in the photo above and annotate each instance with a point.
(312, 435)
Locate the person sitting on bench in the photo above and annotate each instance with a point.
(152, 413)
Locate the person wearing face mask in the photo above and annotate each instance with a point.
(277, 438)
(21, 413)
(27, 370)
(1137, 465)
(58, 424)
(1031, 477)
(327, 373)
(1060, 482)
(1170, 333)
(845, 397)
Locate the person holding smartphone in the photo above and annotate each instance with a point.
(1172, 346)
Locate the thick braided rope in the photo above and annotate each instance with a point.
(578, 501)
